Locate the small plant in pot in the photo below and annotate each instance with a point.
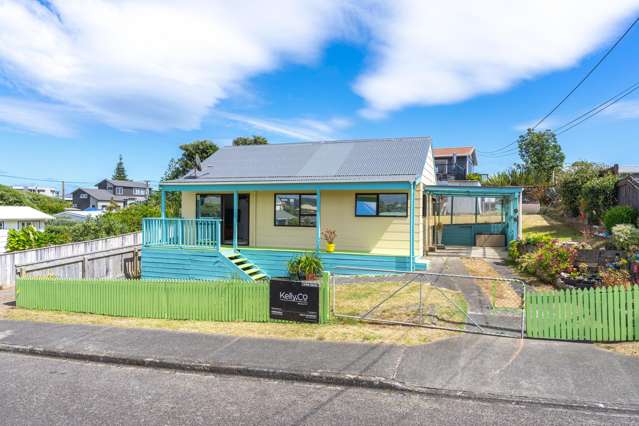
(329, 236)
(306, 267)
(311, 266)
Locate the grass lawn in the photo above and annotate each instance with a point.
(351, 298)
(536, 223)
(500, 293)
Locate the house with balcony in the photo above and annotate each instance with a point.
(454, 164)
(251, 209)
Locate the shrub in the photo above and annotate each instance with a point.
(516, 247)
(615, 277)
(571, 181)
(12, 197)
(598, 195)
(625, 237)
(29, 238)
(548, 261)
(618, 215)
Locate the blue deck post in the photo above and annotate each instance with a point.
(412, 226)
(236, 200)
(218, 235)
(163, 204)
(318, 227)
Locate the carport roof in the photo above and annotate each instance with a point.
(473, 191)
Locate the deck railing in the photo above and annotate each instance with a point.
(182, 232)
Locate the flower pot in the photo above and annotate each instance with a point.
(330, 247)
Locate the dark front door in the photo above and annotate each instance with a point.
(221, 206)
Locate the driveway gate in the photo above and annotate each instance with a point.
(464, 303)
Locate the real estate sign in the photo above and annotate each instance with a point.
(294, 301)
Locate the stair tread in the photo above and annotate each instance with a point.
(258, 276)
(246, 265)
(240, 260)
(252, 271)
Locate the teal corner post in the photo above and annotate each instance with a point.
(163, 204)
(236, 200)
(412, 226)
(318, 225)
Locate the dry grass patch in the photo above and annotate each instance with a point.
(500, 293)
(625, 348)
(356, 299)
(353, 298)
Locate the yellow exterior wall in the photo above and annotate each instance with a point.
(379, 235)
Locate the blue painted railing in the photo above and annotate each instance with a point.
(182, 232)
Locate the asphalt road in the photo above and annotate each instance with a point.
(49, 391)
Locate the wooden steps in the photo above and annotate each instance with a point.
(245, 267)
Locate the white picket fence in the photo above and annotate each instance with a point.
(8, 261)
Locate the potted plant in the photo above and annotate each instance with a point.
(311, 266)
(329, 236)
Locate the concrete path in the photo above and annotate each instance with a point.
(494, 367)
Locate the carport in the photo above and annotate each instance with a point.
(466, 215)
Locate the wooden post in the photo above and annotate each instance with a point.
(85, 266)
(318, 226)
(236, 200)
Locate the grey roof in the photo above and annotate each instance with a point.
(368, 160)
(127, 183)
(102, 194)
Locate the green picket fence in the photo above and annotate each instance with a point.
(231, 300)
(608, 314)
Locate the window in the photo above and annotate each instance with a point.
(139, 191)
(209, 206)
(295, 209)
(388, 205)
(84, 196)
(119, 190)
(1, 224)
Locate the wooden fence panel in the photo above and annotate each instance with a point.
(8, 261)
(227, 300)
(600, 315)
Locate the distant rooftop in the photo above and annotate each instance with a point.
(367, 160)
(22, 213)
(127, 183)
(102, 194)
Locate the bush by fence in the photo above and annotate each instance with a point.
(231, 300)
(604, 314)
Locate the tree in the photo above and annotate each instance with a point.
(253, 140)
(178, 168)
(541, 154)
(120, 172)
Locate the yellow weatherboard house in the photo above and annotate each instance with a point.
(250, 209)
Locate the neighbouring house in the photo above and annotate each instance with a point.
(454, 164)
(85, 198)
(77, 215)
(122, 193)
(250, 209)
(628, 191)
(623, 170)
(135, 192)
(42, 190)
(18, 217)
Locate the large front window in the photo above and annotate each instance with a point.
(209, 206)
(295, 209)
(390, 205)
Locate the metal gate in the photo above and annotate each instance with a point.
(464, 303)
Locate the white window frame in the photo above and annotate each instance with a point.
(119, 190)
(84, 196)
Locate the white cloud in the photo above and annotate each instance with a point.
(432, 52)
(300, 128)
(38, 117)
(624, 109)
(156, 64)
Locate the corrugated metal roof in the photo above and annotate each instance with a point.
(373, 160)
(22, 213)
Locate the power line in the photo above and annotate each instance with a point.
(597, 111)
(613, 99)
(603, 58)
(52, 180)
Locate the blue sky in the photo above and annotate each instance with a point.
(82, 82)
